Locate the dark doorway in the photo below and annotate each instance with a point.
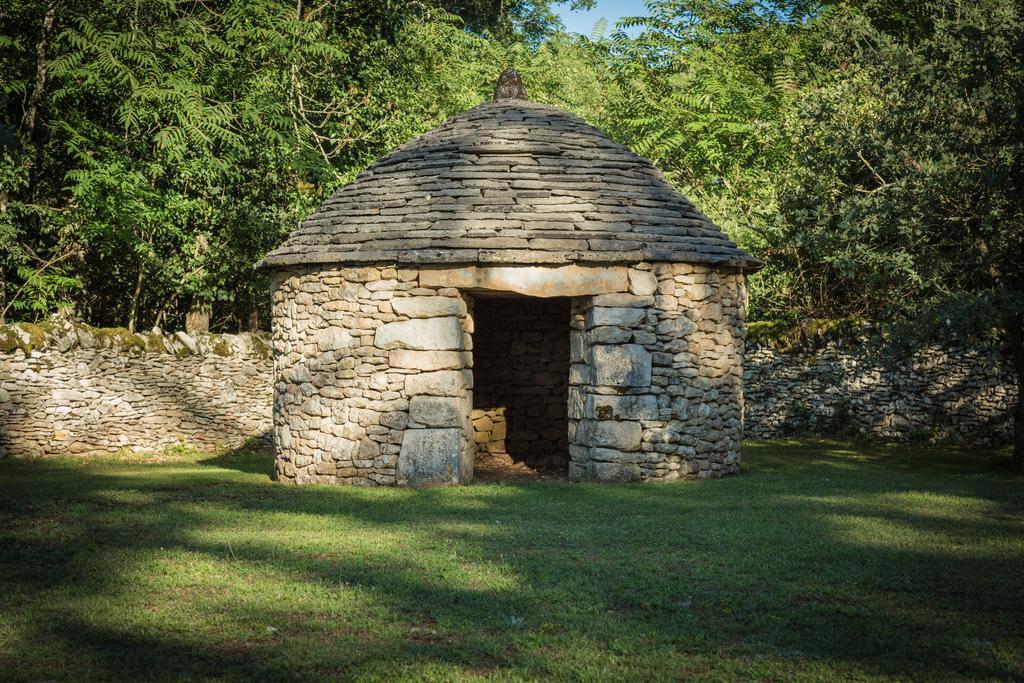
(521, 384)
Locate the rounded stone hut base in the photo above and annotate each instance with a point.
(375, 371)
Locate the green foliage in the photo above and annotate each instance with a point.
(177, 143)
(706, 87)
(908, 188)
(868, 151)
(785, 336)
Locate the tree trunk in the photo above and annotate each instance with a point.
(198, 317)
(28, 122)
(133, 310)
(254, 318)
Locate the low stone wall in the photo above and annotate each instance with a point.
(72, 389)
(832, 386)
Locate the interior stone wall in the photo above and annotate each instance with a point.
(656, 377)
(71, 389)
(521, 369)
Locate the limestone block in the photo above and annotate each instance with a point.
(341, 448)
(422, 334)
(430, 456)
(430, 360)
(439, 383)
(542, 281)
(614, 471)
(676, 327)
(333, 338)
(428, 306)
(577, 346)
(185, 339)
(434, 411)
(617, 316)
(623, 436)
(581, 373)
(395, 420)
(604, 407)
(608, 335)
(622, 365)
(576, 404)
(623, 300)
(642, 282)
(368, 449)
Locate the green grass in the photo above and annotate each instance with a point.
(822, 560)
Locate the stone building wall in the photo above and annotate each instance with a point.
(521, 368)
(375, 373)
(373, 378)
(72, 389)
(656, 377)
(951, 395)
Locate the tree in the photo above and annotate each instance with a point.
(907, 203)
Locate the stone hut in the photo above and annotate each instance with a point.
(511, 280)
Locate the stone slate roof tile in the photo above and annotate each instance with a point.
(510, 181)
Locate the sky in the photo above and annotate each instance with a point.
(612, 10)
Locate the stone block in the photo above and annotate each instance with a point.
(333, 338)
(608, 335)
(430, 456)
(420, 334)
(434, 411)
(622, 436)
(604, 407)
(577, 347)
(428, 306)
(619, 316)
(581, 373)
(676, 327)
(642, 282)
(439, 383)
(542, 281)
(614, 471)
(576, 404)
(622, 365)
(430, 360)
(630, 300)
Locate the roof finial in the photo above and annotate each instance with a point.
(510, 86)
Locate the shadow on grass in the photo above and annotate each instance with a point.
(254, 457)
(815, 560)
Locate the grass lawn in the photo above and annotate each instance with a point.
(822, 560)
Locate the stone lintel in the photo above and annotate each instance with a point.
(539, 281)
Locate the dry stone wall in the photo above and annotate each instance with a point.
(72, 389)
(656, 377)
(373, 378)
(953, 395)
(365, 370)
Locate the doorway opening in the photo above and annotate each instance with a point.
(521, 386)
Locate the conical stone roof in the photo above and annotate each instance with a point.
(508, 182)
